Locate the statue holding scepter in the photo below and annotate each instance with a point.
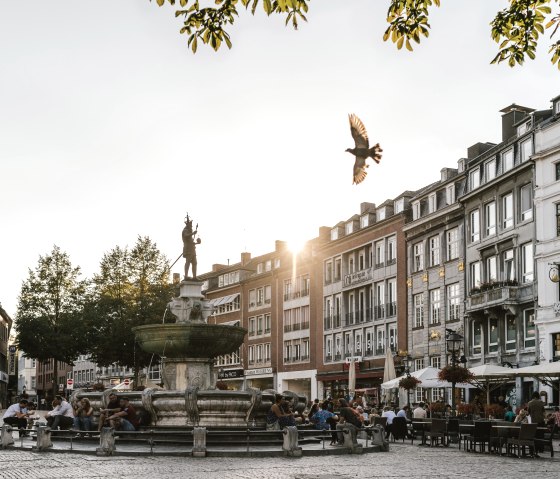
(189, 247)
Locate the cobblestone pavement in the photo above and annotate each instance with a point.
(403, 460)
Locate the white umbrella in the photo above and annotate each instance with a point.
(388, 371)
(489, 377)
(429, 378)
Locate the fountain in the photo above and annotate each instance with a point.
(188, 348)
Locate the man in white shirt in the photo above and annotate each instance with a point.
(419, 412)
(390, 415)
(16, 415)
(62, 414)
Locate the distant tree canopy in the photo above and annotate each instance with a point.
(517, 28)
(50, 312)
(131, 289)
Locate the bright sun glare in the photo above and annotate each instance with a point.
(295, 245)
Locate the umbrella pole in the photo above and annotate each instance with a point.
(487, 391)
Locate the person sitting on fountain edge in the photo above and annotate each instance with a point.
(126, 418)
(16, 415)
(112, 407)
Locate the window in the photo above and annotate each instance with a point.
(529, 332)
(334, 234)
(364, 221)
(507, 211)
(475, 274)
(393, 337)
(252, 326)
(491, 269)
(526, 148)
(526, 200)
(511, 333)
(490, 170)
(418, 364)
(418, 310)
(435, 306)
(328, 272)
(399, 205)
(432, 203)
(391, 250)
(434, 250)
(527, 262)
(267, 324)
(392, 297)
(558, 219)
(418, 256)
(474, 179)
(475, 225)
(349, 227)
(493, 335)
(450, 194)
(435, 362)
(557, 170)
(490, 219)
(476, 337)
(452, 238)
(259, 268)
(328, 348)
(380, 342)
(381, 214)
(379, 253)
(369, 342)
(508, 266)
(507, 160)
(268, 265)
(415, 210)
(453, 302)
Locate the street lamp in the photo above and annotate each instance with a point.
(453, 341)
(407, 360)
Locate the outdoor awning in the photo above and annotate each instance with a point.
(224, 299)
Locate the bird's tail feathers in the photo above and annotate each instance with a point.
(375, 153)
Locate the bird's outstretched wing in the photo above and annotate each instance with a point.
(360, 172)
(359, 132)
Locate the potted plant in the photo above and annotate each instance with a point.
(466, 410)
(455, 374)
(437, 409)
(494, 411)
(409, 382)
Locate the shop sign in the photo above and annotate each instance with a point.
(256, 372)
(230, 373)
(12, 361)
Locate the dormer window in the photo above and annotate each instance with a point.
(526, 148)
(334, 234)
(507, 160)
(557, 107)
(415, 210)
(349, 227)
(432, 203)
(259, 268)
(399, 206)
(450, 194)
(523, 128)
(474, 179)
(364, 221)
(381, 214)
(490, 170)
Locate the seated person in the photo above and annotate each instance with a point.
(82, 415)
(347, 415)
(62, 414)
(17, 415)
(112, 407)
(509, 415)
(125, 419)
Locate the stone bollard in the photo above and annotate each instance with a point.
(7, 438)
(106, 442)
(43, 439)
(378, 437)
(199, 442)
(350, 435)
(290, 444)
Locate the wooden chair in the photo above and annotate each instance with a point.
(418, 430)
(437, 432)
(481, 436)
(543, 439)
(399, 429)
(526, 438)
(453, 431)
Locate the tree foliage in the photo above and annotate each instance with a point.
(131, 289)
(49, 317)
(517, 28)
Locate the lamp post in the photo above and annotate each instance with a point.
(406, 359)
(453, 341)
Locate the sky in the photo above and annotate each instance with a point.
(110, 128)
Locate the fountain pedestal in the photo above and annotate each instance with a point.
(180, 373)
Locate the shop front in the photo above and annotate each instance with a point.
(335, 385)
(260, 378)
(231, 379)
(300, 382)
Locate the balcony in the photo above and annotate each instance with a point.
(327, 322)
(498, 294)
(380, 311)
(391, 309)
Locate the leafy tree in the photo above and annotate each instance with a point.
(516, 28)
(49, 312)
(131, 289)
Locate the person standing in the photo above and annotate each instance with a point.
(16, 415)
(535, 408)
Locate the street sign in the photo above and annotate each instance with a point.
(69, 383)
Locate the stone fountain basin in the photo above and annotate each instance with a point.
(189, 340)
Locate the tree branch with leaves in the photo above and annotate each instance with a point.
(517, 28)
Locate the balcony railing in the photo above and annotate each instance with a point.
(391, 309)
(496, 295)
(379, 351)
(380, 311)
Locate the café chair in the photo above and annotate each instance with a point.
(525, 439)
(480, 435)
(399, 429)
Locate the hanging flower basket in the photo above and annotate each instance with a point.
(409, 382)
(455, 374)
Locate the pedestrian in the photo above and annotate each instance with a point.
(535, 408)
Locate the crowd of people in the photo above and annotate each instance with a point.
(79, 415)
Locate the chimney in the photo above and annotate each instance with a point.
(511, 115)
(281, 245)
(478, 148)
(448, 173)
(366, 207)
(245, 258)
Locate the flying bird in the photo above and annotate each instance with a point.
(362, 151)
